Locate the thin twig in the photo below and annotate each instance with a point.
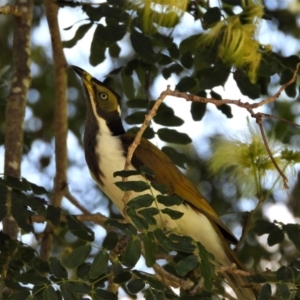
(75, 202)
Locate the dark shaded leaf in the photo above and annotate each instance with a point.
(137, 103)
(185, 84)
(285, 77)
(114, 50)
(181, 243)
(77, 256)
(174, 51)
(19, 295)
(132, 253)
(246, 87)
(137, 117)
(262, 227)
(53, 214)
(146, 171)
(160, 187)
(180, 159)
(265, 292)
(136, 186)
(173, 69)
(142, 45)
(122, 278)
(79, 229)
(3, 199)
(110, 241)
(167, 118)
(175, 215)
(37, 189)
(198, 110)
(293, 232)
(275, 237)
(150, 248)
(141, 201)
(169, 200)
(148, 133)
(256, 278)
(128, 85)
(56, 268)
(80, 33)
(173, 136)
(284, 273)
(135, 286)
(162, 239)
(99, 264)
(211, 16)
(186, 265)
(187, 59)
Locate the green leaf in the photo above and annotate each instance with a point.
(82, 271)
(132, 253)
(175, 215)
(211, 16)
(78, 287)
(67, 294)
(169, 200)
(129, 229)
(285, 77)
(265, 292)
(162, 239)
(40, 265)
(105, 295)
(148, 214)
(166, 117)
(110, 241)
(284, 291)
(296, 264)
(53, 214)
(37, 189)
(137, 117)
(173, 136)
(80, 33)
(181, 243)
(32, 277)
(150, 248)
(126, 173)
(141, 201)
(262, 227)
(122, 278)
(17, 183)
(98, 47)
(49, 293)
(207, 268)
(79, 229)
(136, 186)
(186, 265)
(146, 171)
(173, 69)
(160, 187)
(185, 84)
(174, 51)
(56, 268)
(180, 159)
(142, 45)
(19, 295)
(293, 232)
(275, 237)
(139, 222)
(99, 264)
(77, 256)
(136, 285)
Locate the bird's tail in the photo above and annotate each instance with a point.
(241, 287)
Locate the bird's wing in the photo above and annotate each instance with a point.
(168, 174)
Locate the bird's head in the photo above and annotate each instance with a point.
(102, 102)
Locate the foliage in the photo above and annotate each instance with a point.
(226, 44)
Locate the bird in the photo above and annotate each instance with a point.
(106, 145)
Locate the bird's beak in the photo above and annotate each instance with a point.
(78, 70)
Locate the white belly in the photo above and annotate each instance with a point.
(192, 223)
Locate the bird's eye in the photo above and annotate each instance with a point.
(103, 96)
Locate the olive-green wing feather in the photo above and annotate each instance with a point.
(168, 174)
